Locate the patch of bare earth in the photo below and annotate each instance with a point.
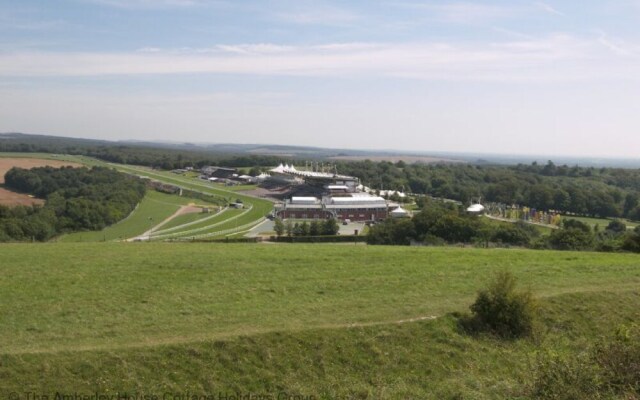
(9, 198)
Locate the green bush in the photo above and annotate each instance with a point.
(570, 239)
(502, 310)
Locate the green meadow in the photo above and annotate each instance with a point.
(322, 320)
(152, 210)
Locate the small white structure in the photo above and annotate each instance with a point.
(399, 213)
(475, 208)
(262, 177)
(389, 193)
(304, 200)
(247, 178)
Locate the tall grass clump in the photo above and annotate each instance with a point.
(608, 370)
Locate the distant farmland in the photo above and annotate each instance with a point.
(10, 198)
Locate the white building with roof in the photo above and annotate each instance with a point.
(357, 207)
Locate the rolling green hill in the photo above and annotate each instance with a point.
(323, 320)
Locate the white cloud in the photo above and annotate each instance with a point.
(547, 8)
(461, 12)
(555, 57)
(617, 46)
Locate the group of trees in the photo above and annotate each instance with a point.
(440, 223)
(603, 192)
(576, 235)
(76, 199)
(327, 227)
(173, 159)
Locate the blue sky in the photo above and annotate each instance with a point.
(513, 77)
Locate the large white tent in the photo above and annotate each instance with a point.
(399, 213)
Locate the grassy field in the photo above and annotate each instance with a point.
(418, 360)
(152, 210)
(202, 227)
(186, 219)
(315, 319)
(259, 207)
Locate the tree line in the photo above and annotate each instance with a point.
(155, 157)
(76, 199)
(598, 192)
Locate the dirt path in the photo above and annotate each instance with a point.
(189, 209)
(400, 321)
(181, 340)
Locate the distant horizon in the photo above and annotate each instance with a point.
(464, 156)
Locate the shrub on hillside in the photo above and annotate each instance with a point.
(616, 226)
(631, 241)
(562, 377)
(570, 239)
(619, 360)
(502, 310)
(611, 369)
(576, 224)
(518, 234)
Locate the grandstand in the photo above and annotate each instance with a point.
(316, 178)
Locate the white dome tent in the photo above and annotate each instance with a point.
(399, 213)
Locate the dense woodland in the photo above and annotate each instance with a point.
(76, 199)
(603, 192)
(440, 223)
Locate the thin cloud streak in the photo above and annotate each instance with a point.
(548, 8)
(555, 57)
